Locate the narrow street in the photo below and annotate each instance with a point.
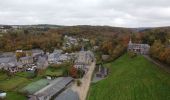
(86, 80)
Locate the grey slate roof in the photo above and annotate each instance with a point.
(26, 58)
(7, 54)
(68, 95)
(54, 87)
(7, 59)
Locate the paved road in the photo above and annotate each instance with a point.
(159, 64)
(86, 80)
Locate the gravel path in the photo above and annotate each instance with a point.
(86, 80)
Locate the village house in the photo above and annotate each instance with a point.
(58, 51)
(11, 67)
(101, 71)
(42, 62)
(19, 51)
(138, 48)
(37, 51)
(84, 58)
(54, 57)
(105, 57)
(9, 63)
(72, 56)
(95, 48)
(64, 57)
(3, 30)
(7, 54)
(26, 60)
(85, 40)
(69, 42)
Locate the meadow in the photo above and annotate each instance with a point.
(132, 79)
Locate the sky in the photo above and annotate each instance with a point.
(119, 13)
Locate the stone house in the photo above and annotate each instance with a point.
(9, 63)
(138, 48)
(84, 58)
(42, 62)
(26, 60)
(101, 71)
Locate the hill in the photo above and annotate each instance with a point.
(132, 79)
(93, 30)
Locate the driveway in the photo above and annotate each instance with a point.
(86, 80)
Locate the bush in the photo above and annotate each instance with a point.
(80, 73)
(132, 54)
(78, 83)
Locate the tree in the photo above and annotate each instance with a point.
(73, 72)
(164, 55)
(65, 72)
(156, 49)
(80, 73)
(79, 82)
(20, 54)
(168, 59)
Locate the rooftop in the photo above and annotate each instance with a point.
(54, 87)
(68, 95)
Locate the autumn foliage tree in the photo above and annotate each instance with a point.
(160, 52)
(156, 49)
(30, 39)
(73, 72)
(20, 54)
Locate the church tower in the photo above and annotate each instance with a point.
(130, 42)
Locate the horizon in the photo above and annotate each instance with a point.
(83, 25)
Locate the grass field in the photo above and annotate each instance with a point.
(25, 74)
(3, 76)
(54, 71)
(15, 96)
(12, 83)
(132, 79)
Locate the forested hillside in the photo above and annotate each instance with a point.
(110, 40)
(158, 39)
(29, 39)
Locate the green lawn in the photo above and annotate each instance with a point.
(15, 96)
(11, 83)
(54, 71)
(25, 74)
(132, 79)
(3, 76)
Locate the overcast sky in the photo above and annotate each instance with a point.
(122, 13)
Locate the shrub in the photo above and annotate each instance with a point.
(132, 54)
(78, 83)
